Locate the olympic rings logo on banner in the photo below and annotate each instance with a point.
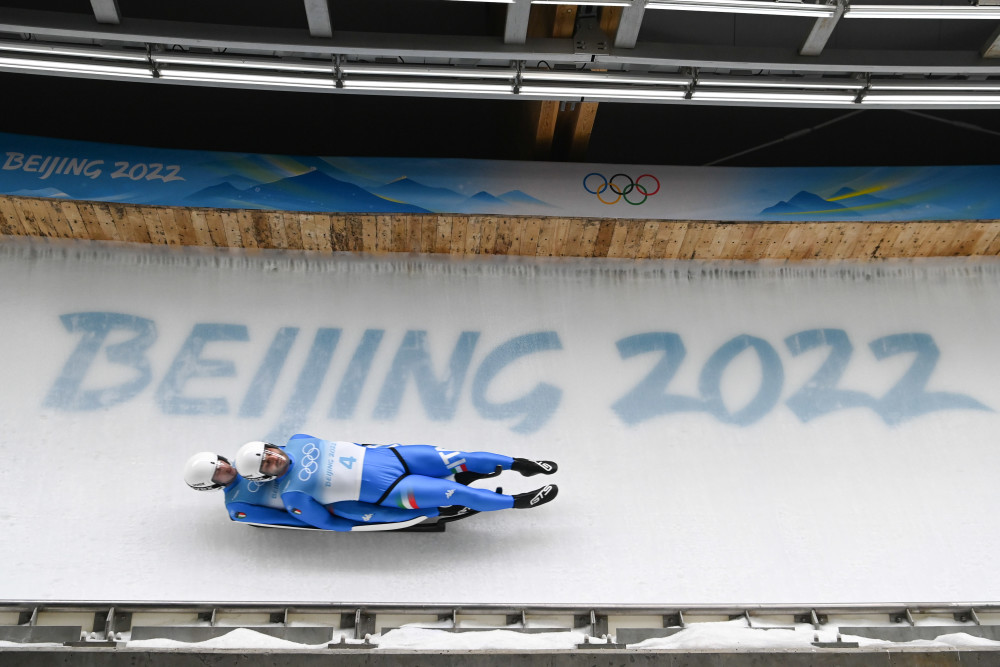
(621, 190)
(308, 466)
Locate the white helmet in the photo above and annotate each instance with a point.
(200, 469)
(249, 459)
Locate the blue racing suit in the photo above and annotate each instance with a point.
(401, 481)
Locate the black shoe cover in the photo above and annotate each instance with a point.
(467, 478)
(454, 513)
(523, 501)
(528, 468)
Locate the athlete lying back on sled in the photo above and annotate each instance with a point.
(344, 486)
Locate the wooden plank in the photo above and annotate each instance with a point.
(261, 228)
(928, 239)
(619, 237)
(516, 230)
(531, 228)
(414, 230)
(94, 230)
(428, 233)
(339, 236)
(382, 241)
(26, 216)
(473, 235)
(459, 230)
(244, 218)
(745, 247)
(53, 212)
(846, 247)
(504, 236)
(588, 237)
(903, 245)
(776, 238)
(647, 238)
(148, 220)
(71, 214)
(276, 229)
(234, 237)
(216, 228)
(802, 245)
(442, 234)
(546, 237)
(106, 221)
(316, 232)
(133, 226)
(690, 241)
(199, 223)
(985, 233)
(488, 244)
(354, 230)
(397, 233)
(10, 219)
(604, 234)
(292, 229)
(563, 227)
(993, 248)
(573, 244)
(43, 218)
(886, 246)
(185, 228)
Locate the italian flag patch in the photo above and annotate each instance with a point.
(407, 501)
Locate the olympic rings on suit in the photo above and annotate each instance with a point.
(621, 190)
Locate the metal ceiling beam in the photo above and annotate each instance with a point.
(106, 11)
(992, 48)
(248, 40)
(516, 29)
(822, 30)
(318, 16)
(628, 27)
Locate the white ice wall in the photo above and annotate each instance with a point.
(681, 506)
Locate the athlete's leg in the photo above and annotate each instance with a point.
(418, 491)
(441, 461)
(369, 513)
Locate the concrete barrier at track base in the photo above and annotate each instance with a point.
(68, 657)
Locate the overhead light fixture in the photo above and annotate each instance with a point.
(754, 96)
(596, 3)
(68, 67)
(241, 63)
(775, 7)
(72, 51)
(604, 77)
(919, 85)
(762, 82)
(888, 99)
(204, 76)
(428, 71)
(601, 92)
(389, 85)
(921, 12)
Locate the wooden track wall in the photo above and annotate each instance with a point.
(491, 235)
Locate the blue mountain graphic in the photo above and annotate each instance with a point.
(807, 202)
(311, 191)
(439, 200)
(518, 197)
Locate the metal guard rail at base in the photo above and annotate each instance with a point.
(347, 625)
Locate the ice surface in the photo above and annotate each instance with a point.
(659, 503)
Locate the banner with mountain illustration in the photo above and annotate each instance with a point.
(57, 168)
